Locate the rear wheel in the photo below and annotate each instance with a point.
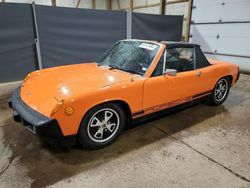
(220, 92)
(101, 126)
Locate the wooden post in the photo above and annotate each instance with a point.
(109, 5)
(190, 4)
(78, 3)
(93, 4)
(131, 6)
(53, 2)
(118, 5)
(162, 7)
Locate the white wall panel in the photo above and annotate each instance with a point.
(232, 38)
(85, 4)
(114, 5)
(101, 4)
(149, 10)
(65, 3)
(177, 9)
(124, 4)
(38, 2)
(145, 2)
(213, 10)
(229, 35)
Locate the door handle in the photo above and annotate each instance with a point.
(198, 74)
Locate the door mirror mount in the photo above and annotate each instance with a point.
(170, 72)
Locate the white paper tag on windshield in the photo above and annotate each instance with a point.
(148, 46)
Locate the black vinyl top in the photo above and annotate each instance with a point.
(172, 44)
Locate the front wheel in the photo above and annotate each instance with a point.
(220, 92)
(101, 126)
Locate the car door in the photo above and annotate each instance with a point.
(163, 91)
(205, 72)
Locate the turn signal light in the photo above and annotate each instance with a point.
(69, 111)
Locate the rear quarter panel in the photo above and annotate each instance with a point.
(221, 69)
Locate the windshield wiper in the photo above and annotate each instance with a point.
(114, 67)
(125, 70)
(133, 72)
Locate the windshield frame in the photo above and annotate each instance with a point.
(147, 72)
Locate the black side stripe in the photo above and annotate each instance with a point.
(194, 97)
(201, 94)
(138, 113)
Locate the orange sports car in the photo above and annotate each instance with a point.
(92, 102)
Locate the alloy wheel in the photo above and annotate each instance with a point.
(221, 90)
(103, 125)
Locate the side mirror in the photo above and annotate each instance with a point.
(170, 72)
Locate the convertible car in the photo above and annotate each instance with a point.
(91, 103)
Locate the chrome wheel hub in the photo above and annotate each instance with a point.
(221, 90)
(103, 125)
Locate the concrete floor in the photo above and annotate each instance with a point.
(202, 146)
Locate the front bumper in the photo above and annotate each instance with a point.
(46, 128)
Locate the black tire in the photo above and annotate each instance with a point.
(93, 129)
(213, 98)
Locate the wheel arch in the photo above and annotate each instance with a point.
(123, 104)
(215, 102)
(230, 78)
(82, 134)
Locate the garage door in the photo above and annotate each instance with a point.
(222, 28)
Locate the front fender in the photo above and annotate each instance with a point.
(128, 92)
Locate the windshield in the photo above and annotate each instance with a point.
(130, 56)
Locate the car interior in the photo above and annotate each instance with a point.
(181, 59)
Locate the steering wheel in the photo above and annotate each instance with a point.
(140, 66)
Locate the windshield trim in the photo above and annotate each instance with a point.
(157, 58)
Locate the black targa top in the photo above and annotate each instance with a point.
(200, 59)
(173, 44)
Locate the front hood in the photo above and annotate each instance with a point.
(44, 88)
